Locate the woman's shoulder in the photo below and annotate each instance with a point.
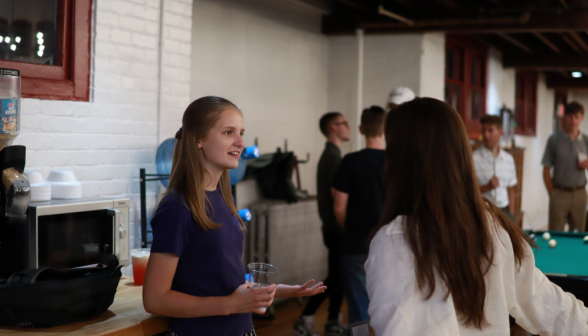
(173, 204)
(500, 237)
(389, 240)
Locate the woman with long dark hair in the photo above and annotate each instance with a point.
(444, 261)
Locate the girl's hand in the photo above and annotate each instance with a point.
(299, 291)
(248, 300)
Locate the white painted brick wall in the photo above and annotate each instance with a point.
(106, 141)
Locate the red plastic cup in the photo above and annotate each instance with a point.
(139, 257)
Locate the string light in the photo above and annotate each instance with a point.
(1, 38)
(17, 39)
(7, 39)
(39, 35)
(13, 47)
(40, 53)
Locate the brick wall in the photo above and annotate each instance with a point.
(107, 140)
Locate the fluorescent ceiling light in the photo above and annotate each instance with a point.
(577, 74)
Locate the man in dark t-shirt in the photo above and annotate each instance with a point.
(335, 128)
(358, 203)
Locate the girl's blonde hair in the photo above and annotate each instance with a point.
(188, 172)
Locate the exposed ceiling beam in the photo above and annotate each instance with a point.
(496, 3)
(579, 40)
(547, 42)
(570, 20)
(355, 4)
(385, 12)
(572, 43)
(517, 43)
(558, 82)
(544, 62)
(317, 6)
(448, 4)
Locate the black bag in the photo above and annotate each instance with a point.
(47, 297)
(274, 175)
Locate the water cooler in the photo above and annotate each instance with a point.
(15, 188)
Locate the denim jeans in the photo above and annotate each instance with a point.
(354, 282)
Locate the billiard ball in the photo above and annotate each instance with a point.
(552, 243)
(546, 236)
(585, 239)
(532, 235)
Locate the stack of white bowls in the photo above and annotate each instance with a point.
(64, 184)
(40, 188)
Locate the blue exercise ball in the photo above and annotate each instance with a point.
(164, 158)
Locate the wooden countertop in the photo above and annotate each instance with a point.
(125, 317)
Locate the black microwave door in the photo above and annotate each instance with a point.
(74, 239)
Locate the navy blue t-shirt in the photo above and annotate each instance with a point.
(210, 261)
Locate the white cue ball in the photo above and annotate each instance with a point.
(546, 236)
(552, 243)
(585, 239)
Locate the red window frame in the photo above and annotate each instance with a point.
(467, 86)
(71, 79)
(526, 103)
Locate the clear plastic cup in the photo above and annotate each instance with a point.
(262, 275)
(139, 257)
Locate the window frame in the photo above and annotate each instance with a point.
(470, 49)
(71, 79)
(526, 126)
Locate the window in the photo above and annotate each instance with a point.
(49, 42)
(465, 81)
(526, 103)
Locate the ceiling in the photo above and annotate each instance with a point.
(549, 36)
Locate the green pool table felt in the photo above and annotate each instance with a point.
(569, 257)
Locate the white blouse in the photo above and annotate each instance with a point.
(398, 308)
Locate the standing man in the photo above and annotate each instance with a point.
(335, 128)
(566, 153)
(495, 168)
(359, 200)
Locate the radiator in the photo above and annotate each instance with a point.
(288, 236)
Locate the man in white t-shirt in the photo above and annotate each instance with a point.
(495, 168)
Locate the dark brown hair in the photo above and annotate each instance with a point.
(326, 121)
(573, 108)
(372, 121)
(188, 172)
(429, 178)
(492, 120)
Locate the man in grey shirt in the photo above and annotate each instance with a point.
(566, 152)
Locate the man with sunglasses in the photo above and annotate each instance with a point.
(336, 129)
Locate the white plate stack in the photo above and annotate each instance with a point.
(64, 184)
(40, 188)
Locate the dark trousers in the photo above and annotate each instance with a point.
(354, 282)
(333, 281)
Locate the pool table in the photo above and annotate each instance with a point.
(566, 265)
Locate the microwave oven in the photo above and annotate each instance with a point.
(67, 234)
